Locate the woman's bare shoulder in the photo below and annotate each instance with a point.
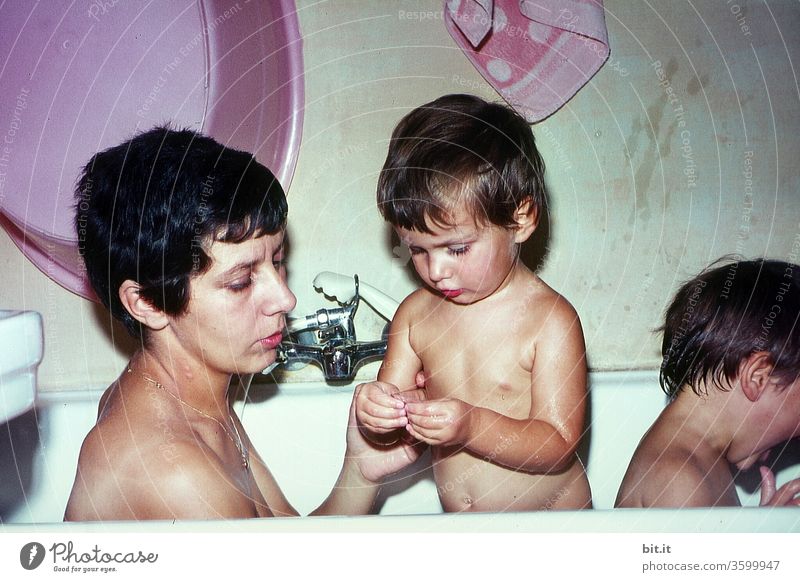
(124, 477)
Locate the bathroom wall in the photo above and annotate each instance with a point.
(684, 147)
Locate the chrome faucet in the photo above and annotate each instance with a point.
(328, 338)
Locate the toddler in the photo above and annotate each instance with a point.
(731, 366)
(502, 353)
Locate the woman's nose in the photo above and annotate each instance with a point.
(278, 297)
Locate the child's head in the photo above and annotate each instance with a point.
(149, 209)
(460, 152)
(726, 314)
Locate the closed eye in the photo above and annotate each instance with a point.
(240, 284)
(458, 250)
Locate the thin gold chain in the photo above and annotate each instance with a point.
(237, 442)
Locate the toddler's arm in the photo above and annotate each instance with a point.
(547, 439)
(380, 407)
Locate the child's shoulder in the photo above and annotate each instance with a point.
(548, 306)
(678, 478)
(419, 301)
(669, 471)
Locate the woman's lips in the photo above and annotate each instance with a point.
(272, 341)
(450, 293)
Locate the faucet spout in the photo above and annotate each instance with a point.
(328, 339)
(292, 352)
(339, 360)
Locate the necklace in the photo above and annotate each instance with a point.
(237, 442)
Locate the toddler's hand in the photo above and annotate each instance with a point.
(439, 422)
(786, 495)
(378, 412)
(378, 462)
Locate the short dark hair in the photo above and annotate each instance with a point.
(727, 313)
(149, 208)
(460, 147)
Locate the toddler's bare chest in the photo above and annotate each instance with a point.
(482, 370)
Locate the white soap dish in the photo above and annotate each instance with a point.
(21, 348)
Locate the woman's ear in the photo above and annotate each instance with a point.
(140, 308)
(755, 375)
(527, 218)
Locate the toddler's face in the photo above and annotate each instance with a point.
(778, 421)
(464, 262)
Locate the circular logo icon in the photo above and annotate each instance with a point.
(31, 555)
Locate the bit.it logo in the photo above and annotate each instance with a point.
(31, 555)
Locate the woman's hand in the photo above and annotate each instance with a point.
(366, 465)
(787, 495)
(375, 461)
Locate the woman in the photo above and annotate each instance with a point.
(183, 241)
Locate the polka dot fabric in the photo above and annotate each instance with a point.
(537, 55)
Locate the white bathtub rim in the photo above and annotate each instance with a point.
(614, 378)
(689, 520)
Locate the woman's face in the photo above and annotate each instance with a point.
(237, 309)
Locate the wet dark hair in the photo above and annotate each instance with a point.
(460, 148)
(149, 208)
(727, 313)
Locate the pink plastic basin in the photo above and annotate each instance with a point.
(78, 77)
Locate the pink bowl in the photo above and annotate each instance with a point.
(80, 77)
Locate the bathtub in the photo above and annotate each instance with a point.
(299, 430)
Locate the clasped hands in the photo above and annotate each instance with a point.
(382, 410)
(786, 495)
